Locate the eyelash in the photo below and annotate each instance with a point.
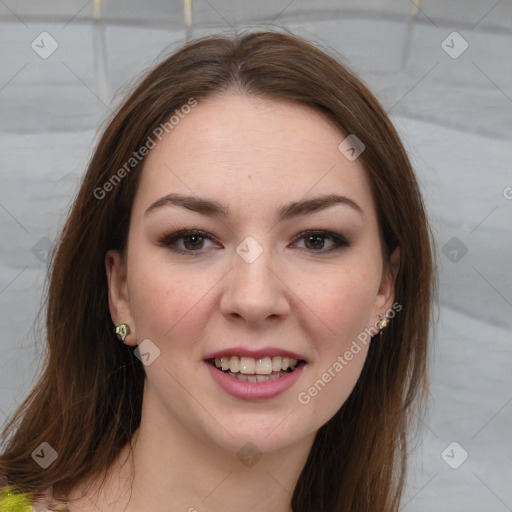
(170, 239)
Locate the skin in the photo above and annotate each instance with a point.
(254, 155)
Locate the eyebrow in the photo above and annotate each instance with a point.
(215, 209)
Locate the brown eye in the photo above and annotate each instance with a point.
(314, 241)
(192, 241)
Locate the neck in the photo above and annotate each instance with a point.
(170, 468)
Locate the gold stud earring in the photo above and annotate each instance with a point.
(122, 331)
(382, 323)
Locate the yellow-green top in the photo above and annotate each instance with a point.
(12, 499)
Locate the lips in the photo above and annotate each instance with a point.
(235, 364)
(255, 374)
(260, 387)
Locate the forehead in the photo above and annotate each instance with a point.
(249, 151)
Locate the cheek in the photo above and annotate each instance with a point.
(329, 386)
(345, 301)
(344, 304)
(164, 298)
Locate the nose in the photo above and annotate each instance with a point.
(255, 292)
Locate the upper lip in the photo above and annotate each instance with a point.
(256, 354)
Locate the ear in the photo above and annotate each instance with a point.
(118, 299)
(386, 293)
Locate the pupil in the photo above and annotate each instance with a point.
(316, 237)
(197, 239)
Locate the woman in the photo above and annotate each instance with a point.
(239, 304)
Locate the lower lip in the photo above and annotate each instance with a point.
(254, 390)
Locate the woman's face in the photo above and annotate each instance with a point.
(270, 276)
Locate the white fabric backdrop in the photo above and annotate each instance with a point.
(453, 114)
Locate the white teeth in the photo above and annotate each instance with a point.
(276, 363)
(256, 378)
(247, 365)
(264, 366)
(250, 366)
(234, 364)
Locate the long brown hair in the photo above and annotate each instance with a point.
(87, 402)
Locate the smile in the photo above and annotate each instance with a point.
(255, 378)
(249, 369)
